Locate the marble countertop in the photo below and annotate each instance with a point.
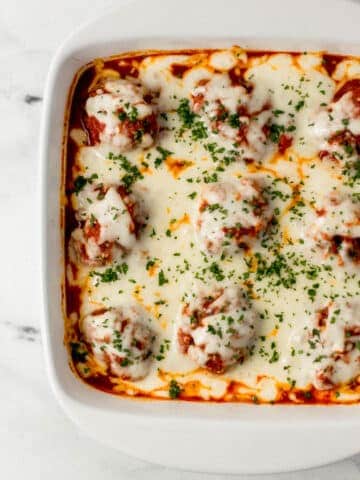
(37, 440)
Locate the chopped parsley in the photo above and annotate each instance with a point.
(191, 121)
(163, 156)
(174, 389)
(313, 291)
(210, 178)
(130, 114)
(275, 131)
(198, 131)
(216, 271)
(274, 357)
(164, 347)
(80, 182)
(132, 172)
(278, 269)
(186, 116)
(234, 120)
(150, 263)
(111, 274)
(277, 112)
(352, 173)
(162, 279)
(78, 352)
(299, 105)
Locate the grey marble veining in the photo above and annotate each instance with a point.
(37, 441)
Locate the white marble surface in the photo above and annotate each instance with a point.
(37, 441)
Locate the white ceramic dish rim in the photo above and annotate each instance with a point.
(232, 438)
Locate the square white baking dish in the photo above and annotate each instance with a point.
(233, 438)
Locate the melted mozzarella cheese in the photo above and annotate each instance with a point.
(219, 89)
(223, 334)
(114, 218)
(332, 120)
(225, 207)
(218, 98)
(339, 215)
(110, 211)
(331, 353)
(105, 105)
(121, 339)
(225, 60)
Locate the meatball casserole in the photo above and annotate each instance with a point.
(212, 226)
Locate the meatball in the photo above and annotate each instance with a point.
(336, 129)
(118, 114)
(336, 230)
(120, 340)
(216, 328)
(224, 109)
(109, 221)
(332, 343)
(231, 215)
